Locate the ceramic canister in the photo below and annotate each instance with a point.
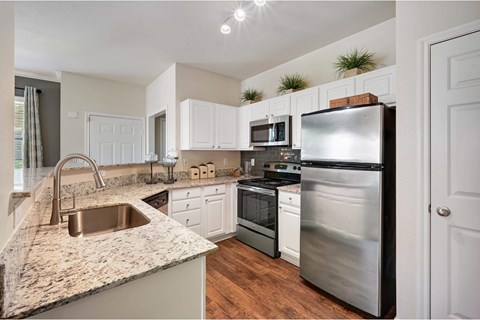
(203, 171)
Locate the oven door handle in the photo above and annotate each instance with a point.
(267, 192)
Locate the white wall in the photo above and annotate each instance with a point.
(180, 82)
(317, 66)
(202, 85)
(415, 20)
(7, 81)
(81, 94)
(161, 98)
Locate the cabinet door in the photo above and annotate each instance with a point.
(226, 127)
(336, 90)
(289, 233)
(304, 101)
(379, 82)
(202, 125)
(279, 106)
(214, 211)
(260, 110)
(243, 127)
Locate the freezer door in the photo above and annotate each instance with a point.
(340, 241)
(344, 135)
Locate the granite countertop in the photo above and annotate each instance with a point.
(27, 181)
(293, 188)
(60, 269)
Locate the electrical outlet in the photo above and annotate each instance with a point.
(225, 161)
(185, 162)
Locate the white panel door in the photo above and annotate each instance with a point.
(226, 126)
(335, 90)
(304, 101)
(114, 140)
(214, 211)
(202, 125)
(455, 178)
(379, 82)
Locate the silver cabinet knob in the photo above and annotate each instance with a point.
(443, 211)
(213, 147)
(218, 147)
(188, 220)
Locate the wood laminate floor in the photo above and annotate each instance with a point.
(243, 283)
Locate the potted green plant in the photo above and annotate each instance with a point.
(249, 96)
(290, 83)
(237, 172)
(353, 63)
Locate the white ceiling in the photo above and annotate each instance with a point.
(134, 42)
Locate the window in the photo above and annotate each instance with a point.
(18, 131)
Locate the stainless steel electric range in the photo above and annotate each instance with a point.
(258, 206)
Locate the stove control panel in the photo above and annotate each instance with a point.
(286, 167)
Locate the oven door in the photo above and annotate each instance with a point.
(257, 209)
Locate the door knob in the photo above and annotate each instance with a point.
(443, 211)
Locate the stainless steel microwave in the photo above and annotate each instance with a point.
(274, 131)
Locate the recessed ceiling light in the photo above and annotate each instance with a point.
(260, 2)
(225, 28)
(239, 14)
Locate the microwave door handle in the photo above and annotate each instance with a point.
(274, 132)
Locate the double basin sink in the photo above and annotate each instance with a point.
(91, 222)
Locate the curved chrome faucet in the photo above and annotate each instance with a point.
(57, 210)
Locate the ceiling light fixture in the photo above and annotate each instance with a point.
(239, 14)
(225, 29)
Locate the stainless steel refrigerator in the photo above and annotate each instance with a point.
(347, 242)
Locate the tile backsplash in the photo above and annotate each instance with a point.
(270, 154)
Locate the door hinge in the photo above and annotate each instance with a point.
(430, 208)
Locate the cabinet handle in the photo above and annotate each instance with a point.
(266, 116)
(279, 207)
(206, 200)
(188, 205)
(186, 222)
(188, 193)
(213, 147)
(216, 190)
(272, 114)
(218, 147)
(290, 198)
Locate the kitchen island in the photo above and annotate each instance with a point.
(63, 276)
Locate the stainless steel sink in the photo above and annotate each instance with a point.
(91, 222)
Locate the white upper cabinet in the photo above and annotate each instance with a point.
(335, 90)
(198, 124)
(278, 106)
(304, 101)
(226, 126)
(379, 82)
(260, 110)
(244, 115)
(207, 126)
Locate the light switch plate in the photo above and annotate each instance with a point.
(72, 114)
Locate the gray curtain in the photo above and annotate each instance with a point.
(32, 137)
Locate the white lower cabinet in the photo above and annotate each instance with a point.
(214, 216)
(208, 211)
(289, 227)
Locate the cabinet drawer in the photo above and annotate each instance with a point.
(188, 218)
(186, 193)
(292, 199)
(213, 190)
(185, 205)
